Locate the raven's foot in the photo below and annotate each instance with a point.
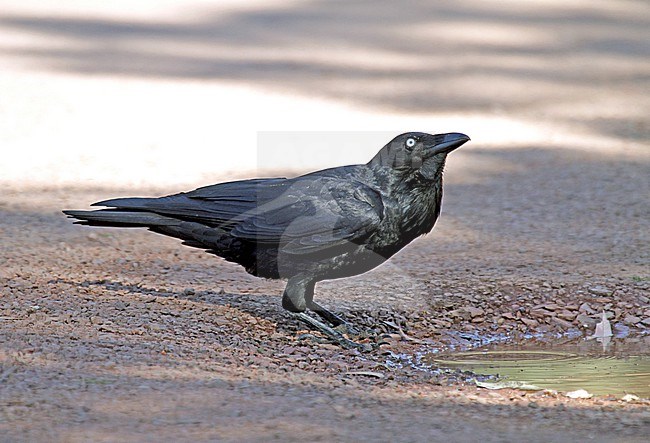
(333, 334)
(337, 322)
(314, 338)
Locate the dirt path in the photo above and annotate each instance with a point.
(110, 334)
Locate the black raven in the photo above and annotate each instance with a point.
(328, 224)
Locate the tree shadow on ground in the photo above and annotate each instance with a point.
(414, 57)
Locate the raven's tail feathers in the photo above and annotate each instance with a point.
(192, 233)
(120, 218)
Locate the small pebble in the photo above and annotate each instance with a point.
(580, 393)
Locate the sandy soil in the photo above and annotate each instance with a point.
(123, 335)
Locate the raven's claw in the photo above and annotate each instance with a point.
(335, 335)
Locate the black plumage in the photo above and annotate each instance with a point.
(324, 225)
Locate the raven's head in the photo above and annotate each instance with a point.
(418, 153)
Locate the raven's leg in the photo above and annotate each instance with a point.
(296, 293)
(298, 296)
(306, 296)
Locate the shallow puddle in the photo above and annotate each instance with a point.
(619, 367)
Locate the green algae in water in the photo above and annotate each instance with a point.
(560, 370)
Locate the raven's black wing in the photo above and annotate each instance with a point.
(303, 215)
(314, 214)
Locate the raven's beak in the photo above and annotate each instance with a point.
(446, 143)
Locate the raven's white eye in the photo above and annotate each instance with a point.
(410, 142)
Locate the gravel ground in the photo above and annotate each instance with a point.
(122, 334)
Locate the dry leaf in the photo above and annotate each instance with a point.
(603, 329)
